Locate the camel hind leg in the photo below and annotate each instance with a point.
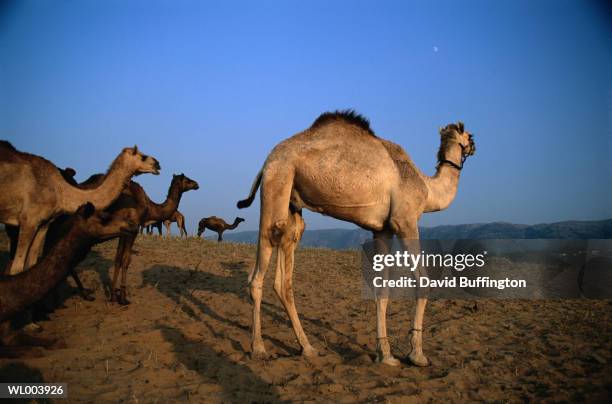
(275, 197)
(168, 225)
(283, 282)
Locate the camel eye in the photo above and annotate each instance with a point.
(143, 157)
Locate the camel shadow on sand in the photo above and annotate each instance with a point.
(179, 284)
(239, 383)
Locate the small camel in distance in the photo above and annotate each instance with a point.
(217, 225)
(341, 168)
(178, 218)
(35, 192)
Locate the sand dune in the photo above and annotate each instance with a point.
(186, 336)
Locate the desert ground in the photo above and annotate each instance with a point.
(186, 336)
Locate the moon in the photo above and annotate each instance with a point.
(435, 49)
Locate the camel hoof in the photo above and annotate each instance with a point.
(87, 297)
(123, 301)
(419, 359)
(310, 352)
(32, 327)
(260, 354)
(115, 295)
(389, 360)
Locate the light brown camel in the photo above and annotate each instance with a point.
(180, 223)
(340, 168)
(217, 225)
(34, 193)
(71, 241)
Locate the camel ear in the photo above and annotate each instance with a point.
(135, 150)
(86, 210)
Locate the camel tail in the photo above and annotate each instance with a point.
(245, 203)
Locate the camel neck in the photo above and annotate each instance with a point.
(101, 196)
(20, 291)
(166, 209)
(442, 187)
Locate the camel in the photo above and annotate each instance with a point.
(217, 225)
(35, 192)
(180, 223)
(71, 243)
(339, 167)
(135, 204)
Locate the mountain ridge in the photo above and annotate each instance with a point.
(342, 239)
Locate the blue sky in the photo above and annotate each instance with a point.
(210, 87)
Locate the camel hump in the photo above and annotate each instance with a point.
(349, 116)
(5, 144)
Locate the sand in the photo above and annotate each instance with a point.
(186, 336)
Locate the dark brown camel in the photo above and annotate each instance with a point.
(135, 203)
(217, 225)
(179, 219)
(72, 240)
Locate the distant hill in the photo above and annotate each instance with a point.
(341, 239)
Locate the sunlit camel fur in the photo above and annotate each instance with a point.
(179, 219)
(35, 192)
(340, 168)
(71, 243)
(217, 225)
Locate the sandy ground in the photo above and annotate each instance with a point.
(186, 337)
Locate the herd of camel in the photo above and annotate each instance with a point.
(338, 167)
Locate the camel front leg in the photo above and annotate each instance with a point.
(220, 238)
(86, 294)
(114, 292)
(382, 245)
(37, 246)
(126, 259)
(168, 225)
(410, 243)
(27, 231)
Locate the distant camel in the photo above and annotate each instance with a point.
(73, 240)
(34, 193)
(217, 225)
(180, 223)
(340, 168)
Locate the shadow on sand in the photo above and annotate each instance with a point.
(239, 382)
(179, 284)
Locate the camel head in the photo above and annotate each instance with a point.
(238, 220)
(201, 227)
(101, 225)
(185, 183)
(453, 135)
(139, 163)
